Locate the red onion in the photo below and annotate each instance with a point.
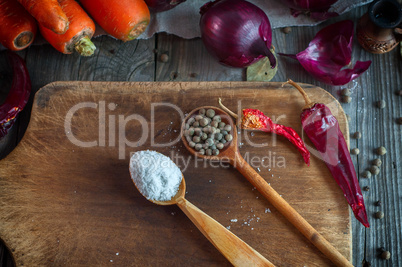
(317, 9)
(162, 5)
(329, 53)
(236, 32)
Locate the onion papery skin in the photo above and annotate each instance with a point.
(330, 53)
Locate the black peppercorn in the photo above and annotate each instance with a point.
(378, 203)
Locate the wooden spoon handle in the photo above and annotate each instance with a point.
(232, 247)
(290, 213)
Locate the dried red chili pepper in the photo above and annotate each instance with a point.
(323, 130)
(254, 119)
(18, 95)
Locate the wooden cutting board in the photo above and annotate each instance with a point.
(67, 198)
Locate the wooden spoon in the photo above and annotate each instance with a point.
(231, 246)
(230, 153)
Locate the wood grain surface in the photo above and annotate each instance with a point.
(138, 60)
(75, 205)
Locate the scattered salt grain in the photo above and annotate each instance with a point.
(155, 175)
(233, 220)
(228, 227)
(258, 169)
(117, 253)
(267, 210)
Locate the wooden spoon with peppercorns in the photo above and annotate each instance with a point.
(230, 153)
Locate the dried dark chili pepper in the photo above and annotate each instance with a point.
(323, 130)
(254, 119)
(18, 95)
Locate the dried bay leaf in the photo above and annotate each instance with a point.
(261, 71)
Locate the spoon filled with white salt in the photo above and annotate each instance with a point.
(160, 181)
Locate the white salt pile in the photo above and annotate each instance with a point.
(155, 175)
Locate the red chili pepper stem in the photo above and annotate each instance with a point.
(309, 103)
(231, 113)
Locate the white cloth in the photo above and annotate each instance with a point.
(183, 20)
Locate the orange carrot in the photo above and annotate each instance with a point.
(48, 13)
(79, 34)
(17, 27)
(122, 19)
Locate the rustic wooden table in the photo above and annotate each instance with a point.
(189, 61)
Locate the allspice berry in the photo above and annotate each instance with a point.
(366, 174)
(355, 151)
(286, 30)
(346, 91)
(378, 203)
(357, 135)
(366, 188)
(377, 162)
(346, 99)
(374, 170)
(386, 255)
(379, 215)
(381, 151)
(399, 120)
(381, 104)
(164, 58)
